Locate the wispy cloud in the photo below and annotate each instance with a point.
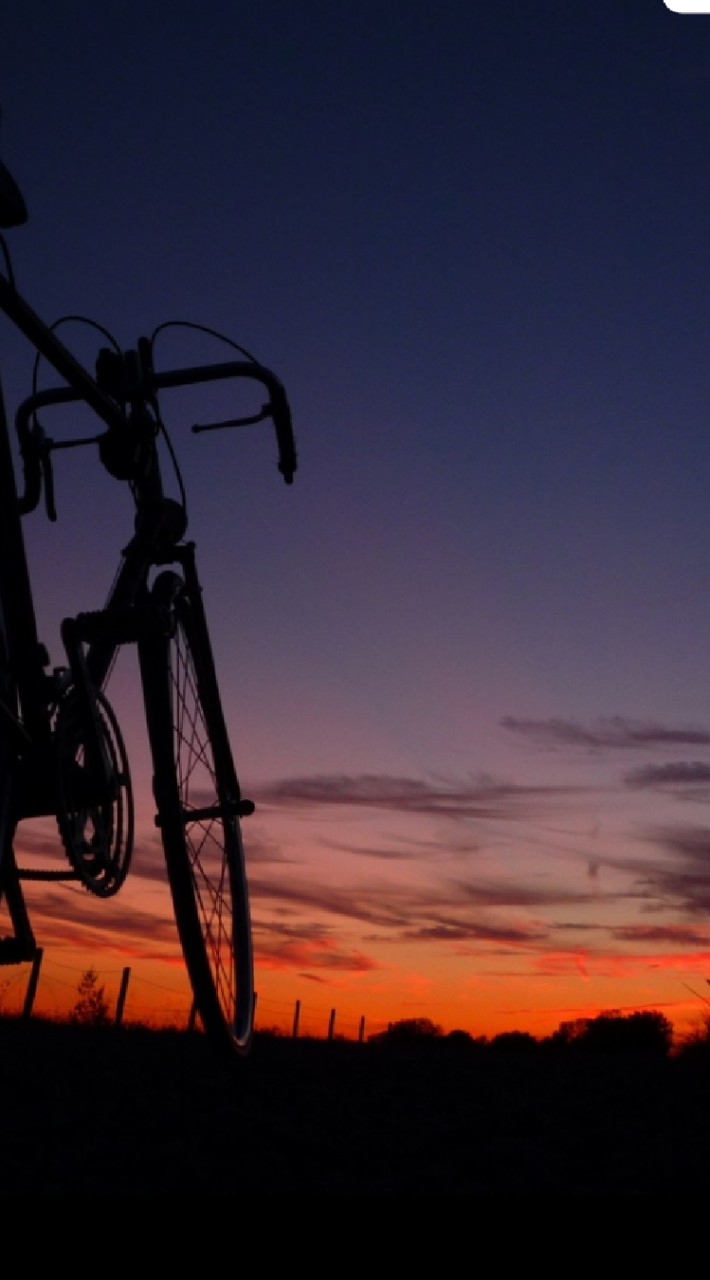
(447, 910)
(71, 917)
(483, 797)
(687, 780)
(615, 733)
(682, 880)
(284, 938)
(382, 852)
(315, 947)
(677, 935)
(381, 906)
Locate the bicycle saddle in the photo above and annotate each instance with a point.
(13, 210)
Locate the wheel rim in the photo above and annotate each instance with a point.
(213, 845)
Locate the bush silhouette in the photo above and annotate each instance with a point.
(514, 1041)
(409, 1031)
(461, 1039)
(91, 1009)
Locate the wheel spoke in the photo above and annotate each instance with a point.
(200, 806)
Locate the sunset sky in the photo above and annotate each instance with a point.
(466, 657)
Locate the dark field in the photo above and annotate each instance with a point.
(86, 1111)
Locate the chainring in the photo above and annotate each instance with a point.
(95, 817)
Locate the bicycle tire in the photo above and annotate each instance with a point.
(198, 800)
(8, 721)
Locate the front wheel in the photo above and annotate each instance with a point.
(199, 805)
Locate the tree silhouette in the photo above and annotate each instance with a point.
(645, 1032)
(409, 1031)
(91, 1009)
(696, 1043)
(514, 1041)
(459, 1039)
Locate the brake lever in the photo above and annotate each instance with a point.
(36, 450)
(45, 463)
(35, 465)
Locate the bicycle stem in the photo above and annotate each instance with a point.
(49, 345)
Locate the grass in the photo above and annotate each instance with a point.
(94, 1111)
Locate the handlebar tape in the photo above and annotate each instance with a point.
(281, 414)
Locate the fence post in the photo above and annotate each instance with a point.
(32, 984)
(120, 1003)
(296, 1016)
(331, 1024)
(361, 1035)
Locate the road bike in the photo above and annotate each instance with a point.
(62, 752)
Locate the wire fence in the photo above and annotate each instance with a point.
(50, 989)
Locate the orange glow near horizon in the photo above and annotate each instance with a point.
(473, 990)
(159, 995)
(386, 928)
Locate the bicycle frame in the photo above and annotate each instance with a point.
(92, 640)
(61, 747)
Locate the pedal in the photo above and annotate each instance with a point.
(215, 812)
(14, 951)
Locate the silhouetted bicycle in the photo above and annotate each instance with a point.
(61, 749)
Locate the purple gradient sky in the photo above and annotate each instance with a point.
(465, 658)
